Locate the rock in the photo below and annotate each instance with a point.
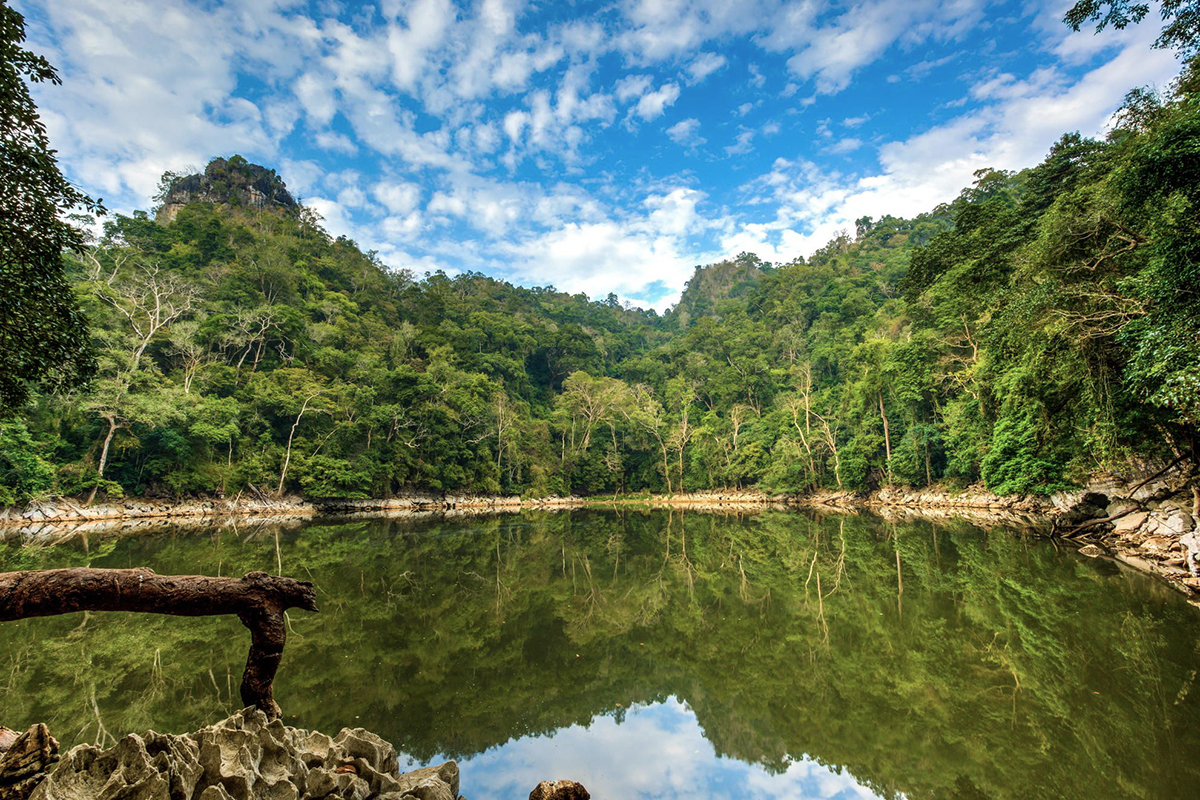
(25, 762)
(430, 789)
(1191, 544)
(7, 737)
(1159, 547)
(1177, 522)
(559, 790)
(447, 773)
(1129, 522)
(245, 757)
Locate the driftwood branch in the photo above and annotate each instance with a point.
(257, 599)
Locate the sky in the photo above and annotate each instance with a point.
(595, 147)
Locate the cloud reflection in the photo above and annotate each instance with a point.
(656, 751)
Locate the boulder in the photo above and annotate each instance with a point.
(559, 790)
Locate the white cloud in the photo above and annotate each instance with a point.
(503, 121)
(337, 142)
(831, 51)
(704, 65)
(398, 197)
(1015, 130)
(743, 142)
(685, 132)
(149, 87)
(843, 146)
(410, 40)
(653, 104)
(632, 86)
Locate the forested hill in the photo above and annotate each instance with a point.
(1040, 328)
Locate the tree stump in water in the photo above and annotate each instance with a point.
(257, 599)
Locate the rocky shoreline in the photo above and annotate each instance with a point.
(53, 518)
(245, 757)
(1152, 525)
(66, 510)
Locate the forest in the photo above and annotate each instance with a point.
(1041, 328)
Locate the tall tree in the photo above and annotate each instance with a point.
(43, 333)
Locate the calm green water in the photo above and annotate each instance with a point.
(656, 654)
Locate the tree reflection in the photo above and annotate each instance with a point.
(929, 660)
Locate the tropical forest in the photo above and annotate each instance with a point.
(795, 402)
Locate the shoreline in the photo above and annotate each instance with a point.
(65, 510)
(1151, 526)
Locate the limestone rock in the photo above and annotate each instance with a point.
(1191, 544)
(246, 757)
(1129, 522)
(25, 762)
(559, 790)
(447, 773)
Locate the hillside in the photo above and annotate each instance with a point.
(711, 286)
(1038, 329)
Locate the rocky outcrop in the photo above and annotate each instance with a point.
(1156, 531)
(24, 760)
(246, 757)
(233, 181)
(1150, 524)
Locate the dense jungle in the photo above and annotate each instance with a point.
(1037, 330)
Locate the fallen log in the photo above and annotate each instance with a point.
(257, 599)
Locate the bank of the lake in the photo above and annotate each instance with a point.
(1150, 523)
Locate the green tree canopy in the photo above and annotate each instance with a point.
(43, 333)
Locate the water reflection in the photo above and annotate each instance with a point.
(656, 751)
(741, 653)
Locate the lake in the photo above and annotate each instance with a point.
(659, 654)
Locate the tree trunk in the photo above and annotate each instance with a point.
(287, 459)
(112, 429)
(259, 600)
(887, 438)
(666, 466)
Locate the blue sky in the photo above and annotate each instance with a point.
(595, 147)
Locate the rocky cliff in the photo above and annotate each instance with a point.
(234, 181)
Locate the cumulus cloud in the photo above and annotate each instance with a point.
(398, 197)
(481, 135)
(652, 104)
(685, 132)
(1014, 130)
(704, 65)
